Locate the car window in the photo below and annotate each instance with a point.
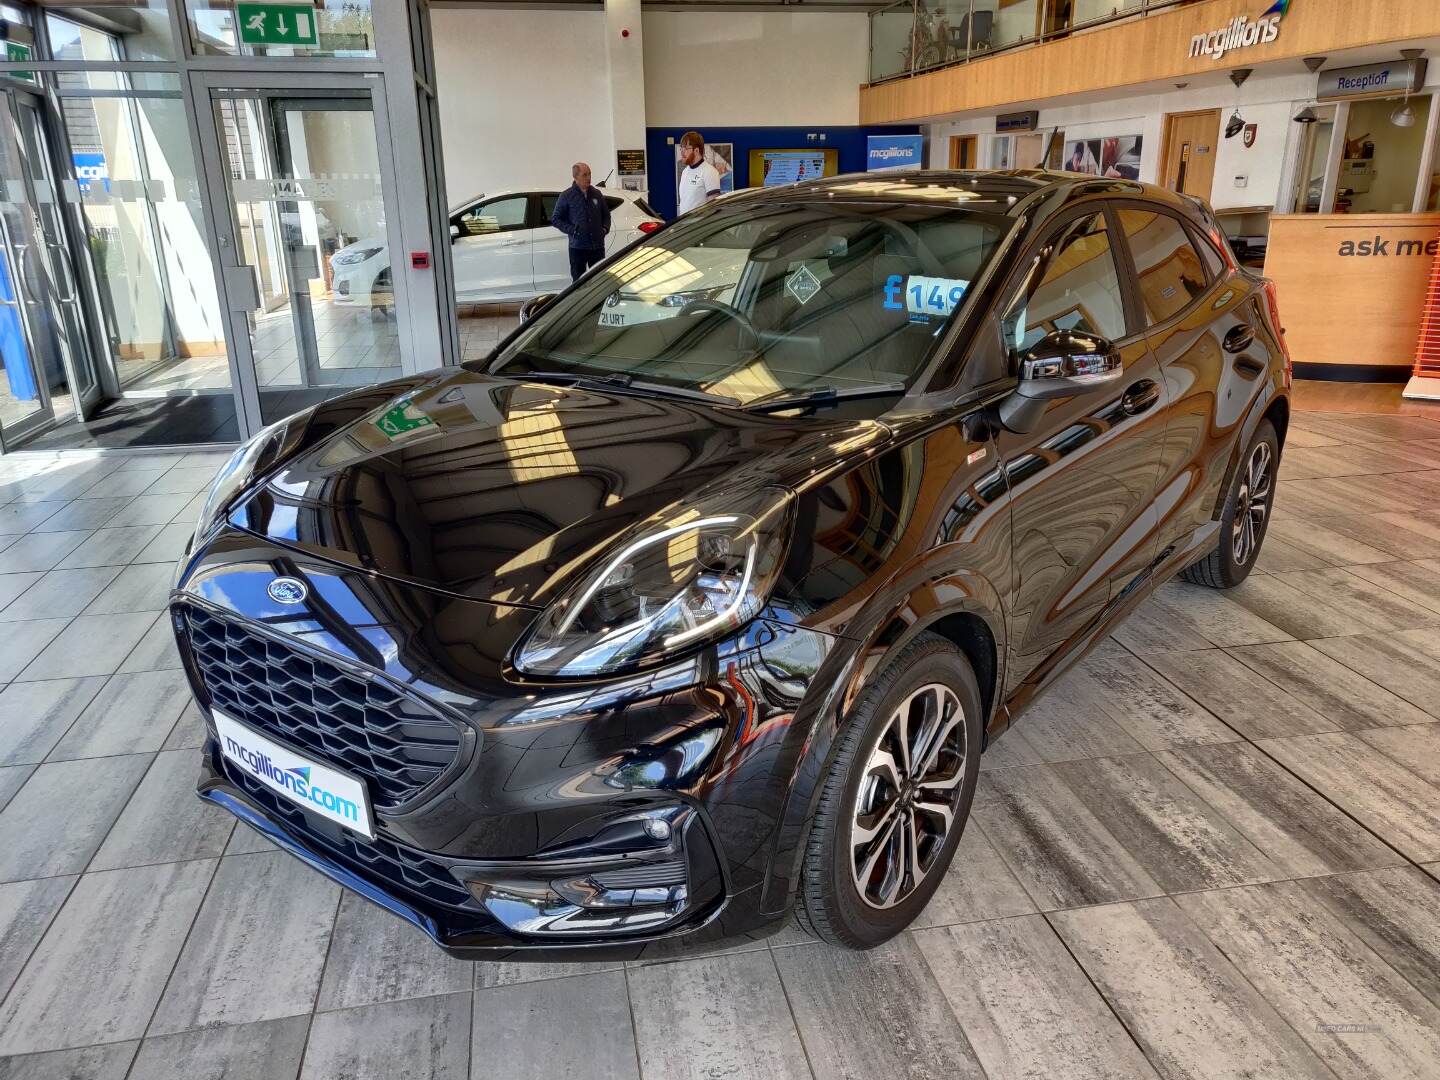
(810, 294)
(1079, 289)
(497, 215)
(1170, 269)
(548, 199)
(613, 202)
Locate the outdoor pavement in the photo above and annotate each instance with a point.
(1212, 851)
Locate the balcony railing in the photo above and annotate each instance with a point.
(912, 36)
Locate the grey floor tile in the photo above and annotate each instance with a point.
(596, 1039)
(1059, 851)
(12, 779)
(1250, 704)
(266, 922)
(1300, 832)
(156, 650)
(1392, 661)
(1316, 973)
(1279, 556)
(1154, 627)
(1151, 709)
(1195, 1016)
(1062, 725)
(270, 1050)
(82, 514)
(876, 1013)
(21, 642)
(34, 716)
(715, 1016)
(1326, 545)
(90, 645)
(376, 956)
(109, 1062)
(426, 1037)
(164, 821)
(13, 585)
(150, 510)
(169, 544)
(59, 594)
(1300, 614)
(17, 519)
(111, 547)
(246, 841)
(1416, 748)
(1394, 912)
(26, 908)
(1349, 700)
(132, 714)
(1181, 841)
(189, 732)
(1402, 533)
(40, 551)
(977, 886)
(1215, 615)
(490, 973)
(182, 480)
(141, 587)
(134, 481)
(73, 993)
(1390, 800)
(1009, 750)
(1026, 1007)
(1417, 581)
(55, 823)
(1361, 599)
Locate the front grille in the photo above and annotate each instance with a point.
(391, 739)
(412, 871)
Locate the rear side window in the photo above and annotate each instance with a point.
(613, 202)
(1171, 271)
(1079, 289)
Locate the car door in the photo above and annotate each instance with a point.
(491, 249)
(1204, 324)
(552, 247)
(1082, 481)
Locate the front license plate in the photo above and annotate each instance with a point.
(328, 792)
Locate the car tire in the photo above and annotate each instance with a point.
(1245, 518)
(837, 900)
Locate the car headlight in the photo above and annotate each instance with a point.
(350, 258)
(236, 474)
(664, 588)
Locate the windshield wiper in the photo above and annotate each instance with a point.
(621, 381)
(824, 395)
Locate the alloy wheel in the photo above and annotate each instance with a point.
(906, 803)
(1252, 504)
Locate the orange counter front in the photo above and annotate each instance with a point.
(1350, 289)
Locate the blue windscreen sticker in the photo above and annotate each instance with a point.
(924, 296)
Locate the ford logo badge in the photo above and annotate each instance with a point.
(287, 590)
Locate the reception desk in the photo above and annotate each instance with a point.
(1350, 289)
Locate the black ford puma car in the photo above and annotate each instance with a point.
(691, 609)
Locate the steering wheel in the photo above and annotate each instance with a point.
(732, 313)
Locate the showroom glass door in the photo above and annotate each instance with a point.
(47, 370)
(304, 247)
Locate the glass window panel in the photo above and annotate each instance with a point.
(1314, 152)
(1170, 270)
(1080, 289)
(341, 28)
(1380, 160)
(135, 30)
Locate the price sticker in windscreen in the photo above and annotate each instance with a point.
(924, 295)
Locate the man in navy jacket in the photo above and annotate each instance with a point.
(582, 214)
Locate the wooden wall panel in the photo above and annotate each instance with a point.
(1350, 309)
(1149, 49)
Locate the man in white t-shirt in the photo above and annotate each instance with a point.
(699, 180)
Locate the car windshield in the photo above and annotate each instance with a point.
(769, 300)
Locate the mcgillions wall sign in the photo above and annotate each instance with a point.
(1240, 33)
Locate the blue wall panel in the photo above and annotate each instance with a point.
(849, 141)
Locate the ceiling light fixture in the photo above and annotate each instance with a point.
(1306, 115)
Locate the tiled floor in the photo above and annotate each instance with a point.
(1213, 851)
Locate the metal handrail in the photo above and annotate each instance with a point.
(919, 42)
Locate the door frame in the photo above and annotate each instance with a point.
(1168, 137)
(957, 142)
(220, 221)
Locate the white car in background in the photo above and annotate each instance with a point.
(503, 248)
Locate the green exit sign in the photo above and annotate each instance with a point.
(277, 24)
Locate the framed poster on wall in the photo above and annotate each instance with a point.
(721, 155)
(1113, 155)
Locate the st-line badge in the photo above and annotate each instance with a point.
(287, 590)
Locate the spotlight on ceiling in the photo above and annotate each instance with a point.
(1236, 124)
(1306, 115)
(1404, 116)
(1314, 63)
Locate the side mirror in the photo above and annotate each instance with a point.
(531, 307)
(456, 231)
(1062, 364)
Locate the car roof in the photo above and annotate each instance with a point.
(620, 193)
(1003, 191)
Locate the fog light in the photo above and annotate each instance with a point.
(657, 828)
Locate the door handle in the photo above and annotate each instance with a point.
(1239, 338)
(513, 243)
(1140, 396)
